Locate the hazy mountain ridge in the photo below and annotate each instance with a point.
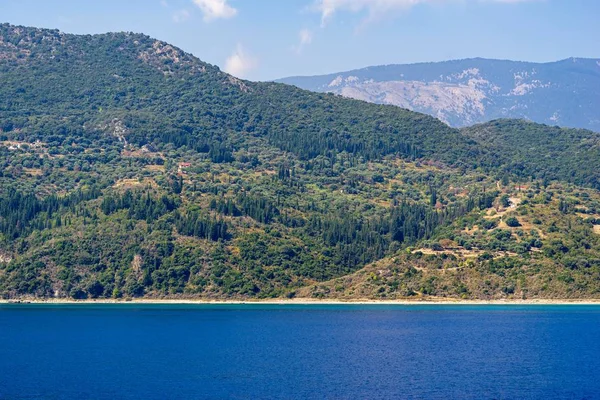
(464, 92)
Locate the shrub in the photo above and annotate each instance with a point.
(489, 224)
(512, 222)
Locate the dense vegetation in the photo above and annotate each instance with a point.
(544, 244)
(129, 168)
(542, 152)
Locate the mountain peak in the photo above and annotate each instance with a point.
(23, 44)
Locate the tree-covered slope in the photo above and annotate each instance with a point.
(56, 81)
(532, 242)
(129, 168)
(541, 151)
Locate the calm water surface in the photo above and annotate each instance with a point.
(299, 352)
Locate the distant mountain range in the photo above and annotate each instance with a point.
(464, 92)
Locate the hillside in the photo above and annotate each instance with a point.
(534, 242)
(96, 84)
(132, 169)
(465, 92)
(571, 154)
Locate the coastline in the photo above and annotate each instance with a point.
(301, 301)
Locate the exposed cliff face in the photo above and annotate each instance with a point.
(442, 100)
(464, 92)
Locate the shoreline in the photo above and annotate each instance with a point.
(283, 302)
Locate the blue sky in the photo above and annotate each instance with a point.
(269, 39)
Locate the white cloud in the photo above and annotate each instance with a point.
(180, 16)
(305, 37)
(380, 8)
(240, 63)
(215, 9)
(375, 8)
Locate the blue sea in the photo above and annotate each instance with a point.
(131, 351)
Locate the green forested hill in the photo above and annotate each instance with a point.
(82, 83)
(541, 151)
(130, 168)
